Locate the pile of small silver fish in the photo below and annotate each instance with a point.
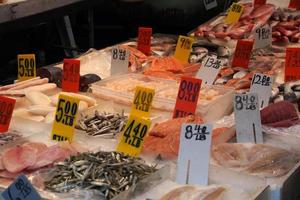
(103, 124)
(6, 138)
(108, 172)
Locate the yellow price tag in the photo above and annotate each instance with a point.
(65, 118)
(26, 67)
(234, 13)
(142, 102)
(134, 134)
(183, 48)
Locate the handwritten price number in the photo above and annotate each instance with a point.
(5, 112)
(199, 132)
(188, 91)
(261, 80)
(244, 102)
(66, 115)
(26, 67)
(294, 59)
(214, 63)
(119, 54)
(143, 101)
(263, 33)
(70, 71)
(185, 43)
(236, 8)
(23, 188)
(139, 131)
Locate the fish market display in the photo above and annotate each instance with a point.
(9, 137)
(280, 114)
(257, 159)
(108, 172)
(103, 124)
(250, 19)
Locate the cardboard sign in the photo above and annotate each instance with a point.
(144, 40)
(292, 64)
(71, 75)
(7, 106)
(209, 4)
(257, 3)
(134, 134)
(234, 14)
(119, 61)
(194, 154)
(209, 70)
(262, 86)
(294, 4)
(263, 37)
(65, 118)
(21, 189)
(142, 102)
(187, 97)
(247, 118)
(26, 67)
(183, 48)
(242, 53)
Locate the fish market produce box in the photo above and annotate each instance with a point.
(214, 101)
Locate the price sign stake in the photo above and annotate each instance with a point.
(263, 37)
(209, 4)
(7, 106)
(242, 53)
(259, 2)
(26, 67)
(71, 75)
(209, 70)
(134, 134)
(187, 97)
(262, 86)
(119, 61)
(234, 13)
(247, 118)
(194, 154)
(142, 102)
(183, 48)
(292, 64)
(144, 40)
(65, 118)
(21, 189)
(294, 4)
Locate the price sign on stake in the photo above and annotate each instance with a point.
(263, 37)
(7, 106)
(294, 4)
(183, 48)
(262, 86)
(144, 40)
(187, 97)
(234, 13)
(242, 53)
(247, 118)
(21, 189)
(26, 67)
(292, 64)
(209, 4)
(142, 101)
(71, 75)
(134, 134)
(65, 118)
(209, 70)
(194, 154)
(119, 61)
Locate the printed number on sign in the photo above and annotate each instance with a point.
(119, 54)
(236, 8)
(188, 91)
(185, 43)
(23, 188)
(26, 67)
(66, 112)
(59, 138)
(139, 132)
(70, 71)
(199, 132)
(143, 101)
(6, 110)
(261, 80)
(263, 33)
(245, 102)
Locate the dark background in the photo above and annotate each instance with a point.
(114, 21)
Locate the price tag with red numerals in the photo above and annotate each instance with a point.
(294, 4)
(292, 64)
(71, 75)
(144, 40)
(187, 97)
(259, 2)
(6, 110)
(242, 53)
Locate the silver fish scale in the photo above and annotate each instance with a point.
(108, 172)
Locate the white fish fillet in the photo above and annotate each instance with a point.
(30, 84)
(40, 110)
(6, 87)
(38, 98)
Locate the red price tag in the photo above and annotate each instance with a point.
(71, 75)
(6, 110)
(242, 53)
(292, 64)
(144, 40)
(187, 97)
(294, 4)
(259, 2)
